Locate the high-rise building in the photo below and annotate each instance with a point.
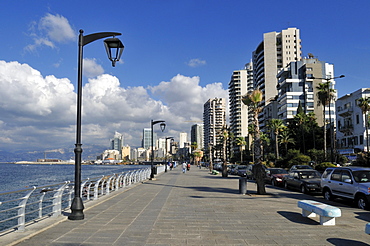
(239, 85)
(214, 119)
(183, 139)
(197, 135)
(147, 138)
(297, 86)
(276, 50)
(117, 141)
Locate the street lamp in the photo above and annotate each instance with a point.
(163, 126)
(330, 124)
(165, 169)
(111, 45)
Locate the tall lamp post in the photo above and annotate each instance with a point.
(165, 169)
(163, 126)
(328, 82)
(114, 48)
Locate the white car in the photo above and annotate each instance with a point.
(347, 182)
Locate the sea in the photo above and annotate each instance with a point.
(19, 176)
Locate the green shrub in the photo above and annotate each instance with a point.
(323, 165)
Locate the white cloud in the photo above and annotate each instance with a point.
(91, 68)
(57, 28)
(49, 30)
(196, 62)
(39, 112)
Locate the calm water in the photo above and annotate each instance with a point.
(17, 176)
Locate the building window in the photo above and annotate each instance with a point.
(361, 139)
(357, 119)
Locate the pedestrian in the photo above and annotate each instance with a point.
(171, 166)
(188, 167)
(184, 166)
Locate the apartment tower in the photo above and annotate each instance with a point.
(276, 51)
(214, 119)
(241, 81)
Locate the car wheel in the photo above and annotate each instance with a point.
(362, 202)
(327, 195)
(303, 189)
(286, 185)
(273, 182)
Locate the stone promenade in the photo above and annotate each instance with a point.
(197, 208)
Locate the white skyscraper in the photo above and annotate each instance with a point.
(183, 139)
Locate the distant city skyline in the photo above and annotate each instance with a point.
(178, 54)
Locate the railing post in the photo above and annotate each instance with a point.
(109, 184)
(57, 201)
(118, 181)
(96, 188)
(22, 211)
(125, 179)
(40, 204)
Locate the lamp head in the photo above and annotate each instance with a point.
(114, 48)
(163, 126)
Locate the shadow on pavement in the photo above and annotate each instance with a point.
(345, 242)
(297, 218)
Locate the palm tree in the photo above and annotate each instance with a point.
(311, 118)
(286, 139)
(364, 104)
(251, 131)
(253, 100)
(225, 136)
(276, 126)
(301, 120)
(325, 94)
(240, 141)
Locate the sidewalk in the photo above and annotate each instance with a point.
(197, 208)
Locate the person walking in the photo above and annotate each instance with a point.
(184, 167)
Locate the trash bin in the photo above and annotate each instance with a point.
(243, 185)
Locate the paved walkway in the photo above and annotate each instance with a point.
(197, 208)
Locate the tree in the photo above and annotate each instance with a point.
(225, 136)
(198, 154)
(325, 94)
(286, 139)
(276, 126)
(253, 100)
(240, 141)
(301, 119)
(364, 104)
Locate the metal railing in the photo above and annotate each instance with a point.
(21, 207)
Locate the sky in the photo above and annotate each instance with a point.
(177, 55)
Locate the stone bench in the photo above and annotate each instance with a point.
(326, 212)
(367, 228)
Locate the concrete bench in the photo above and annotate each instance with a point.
(327, 213)
(367, 228)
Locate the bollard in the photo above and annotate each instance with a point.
(243, 185)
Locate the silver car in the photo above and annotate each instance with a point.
(347, 182)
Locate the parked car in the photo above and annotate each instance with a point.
(347, 182)
(306, 180)
(245, 171)
(233, 169)
(296, 167)
(275, 176)
(217, 166)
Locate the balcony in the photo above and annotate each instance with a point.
(348, 128)
(345, 112)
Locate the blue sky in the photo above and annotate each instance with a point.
(177, 55)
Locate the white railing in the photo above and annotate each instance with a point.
(21, 207)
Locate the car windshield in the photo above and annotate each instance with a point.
(303, 167)
(309, 175)
(361, 176)
(278, 171)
